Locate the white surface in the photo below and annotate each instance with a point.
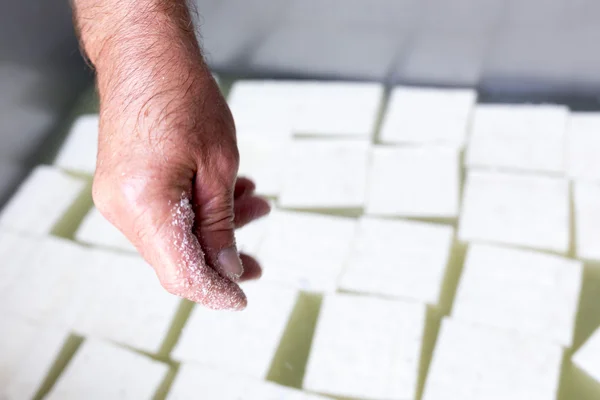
(520, 290)
(337, 109)
(193, 380)
(523, 210)
(41, 201)
(587, 358)
(123, 301)
(428, 116)
(101, 370)
(398, 258)
(46, 282)
(583, 147)
(306, 250)
(476, 363)
(249, 237)
(27, 352)
(415, 182)
(263, 160)
(366, 348)
(78, 152)
(97, 231)
(245, 342)
(325, 174)
(15, 250)
(586, 198)
(518, 137)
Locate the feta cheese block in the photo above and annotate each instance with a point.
(524, 210)
(428, 116)
(325, 174)
(583, 146)
(263, 108)
(102, 370)
(263, 160)
(95, 230)
(396, 258)
(521, 290)
(473, 363)
(78, 152)
(15, 250)
(337, 109)
(307, 251)
(366, 347)
(45, 283)
(587, 358)
(41, 201)
(249, 237)
(27, 353)
(518, 137)
(124, 302)
(586, 198)
(192, 380)
(249, 339)
(414, 182)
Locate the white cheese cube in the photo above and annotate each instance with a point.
(124, 302)
(325, 174)
(414, 182)
(337, 109)
(474, 363)
(249, 237)
(428, 116)
(192, 380)
(523, 210)
(396, 258)
(306, 250)
(518, 137)
(583, 147)
(587, 358)
(78, 152)
(41, 201)
(101, 370)
(586, 198)
(27, 354)
(521, 290)
(263, 160)
(97, 231)
(366, 348)
(250, 338)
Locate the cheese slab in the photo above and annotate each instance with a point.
(586, 199)
(583, 146)
(95, 230)
(78, 152)
(404, 259)
(524, 210)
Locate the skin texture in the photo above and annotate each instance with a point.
(167, 161)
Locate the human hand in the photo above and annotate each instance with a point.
(168, 160)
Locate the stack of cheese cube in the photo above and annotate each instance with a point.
(421, 246)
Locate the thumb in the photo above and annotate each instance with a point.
(215, 226)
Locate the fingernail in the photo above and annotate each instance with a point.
(230, 263)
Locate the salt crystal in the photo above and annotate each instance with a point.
(428, 116)
(518, 137)
(524, 210)
(252, 337)
(396, 258)
(325, 174)
(415, 182)
(521, 290)
(101, 370)
(366, 348)
(306, 250)
(97, 231)
(79, 151)
(473, 363)
(41, 201)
